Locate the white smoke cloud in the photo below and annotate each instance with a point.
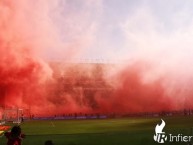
(148, 38)
(168, 51)
(58, 29)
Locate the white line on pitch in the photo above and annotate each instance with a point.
(53, 125)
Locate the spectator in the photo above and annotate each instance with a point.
(48, 142)
(15, 136)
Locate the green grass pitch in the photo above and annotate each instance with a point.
(124, 131)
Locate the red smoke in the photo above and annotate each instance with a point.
(28, 82)
(140, 96)
(86, 88)
(22, 75)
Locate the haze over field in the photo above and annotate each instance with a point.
(146, 47)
